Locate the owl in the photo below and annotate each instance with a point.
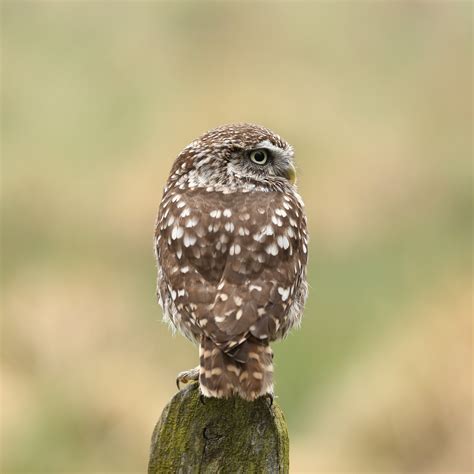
(231, 245)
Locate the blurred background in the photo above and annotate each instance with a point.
(97, 100)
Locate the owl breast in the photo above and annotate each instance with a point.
(232, 266)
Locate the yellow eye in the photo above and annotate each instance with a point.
(259, 157)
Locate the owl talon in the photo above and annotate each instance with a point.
(269, 399)
(202, 398)
(187, 376)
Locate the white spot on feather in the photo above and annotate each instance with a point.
(284, 292)
(234, 249)
(271, 249)
(177, 232)
(192, 221)
(283, 241)
(280, 212)
(189, 239)
(277, 221)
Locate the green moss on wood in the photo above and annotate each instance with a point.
(233, 436)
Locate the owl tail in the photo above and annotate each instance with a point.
(247, 370)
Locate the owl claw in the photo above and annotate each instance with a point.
(187, 376)
(269, 399)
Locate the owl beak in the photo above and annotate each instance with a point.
(290, 174)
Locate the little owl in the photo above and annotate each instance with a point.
(232, 245)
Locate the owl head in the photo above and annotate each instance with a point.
(241, 157)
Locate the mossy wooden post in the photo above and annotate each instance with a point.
(233, 436)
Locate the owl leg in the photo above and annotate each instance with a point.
(187, 376)
(219, 373)
(256, 377)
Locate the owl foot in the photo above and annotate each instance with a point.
(187, 376)
(269, 399)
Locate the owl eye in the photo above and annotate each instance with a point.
(259, 157)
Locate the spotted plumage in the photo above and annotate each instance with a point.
(231, 244)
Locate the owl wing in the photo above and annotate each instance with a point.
(234, 262)
(263, 271)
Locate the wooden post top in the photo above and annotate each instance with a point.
(232, 435)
